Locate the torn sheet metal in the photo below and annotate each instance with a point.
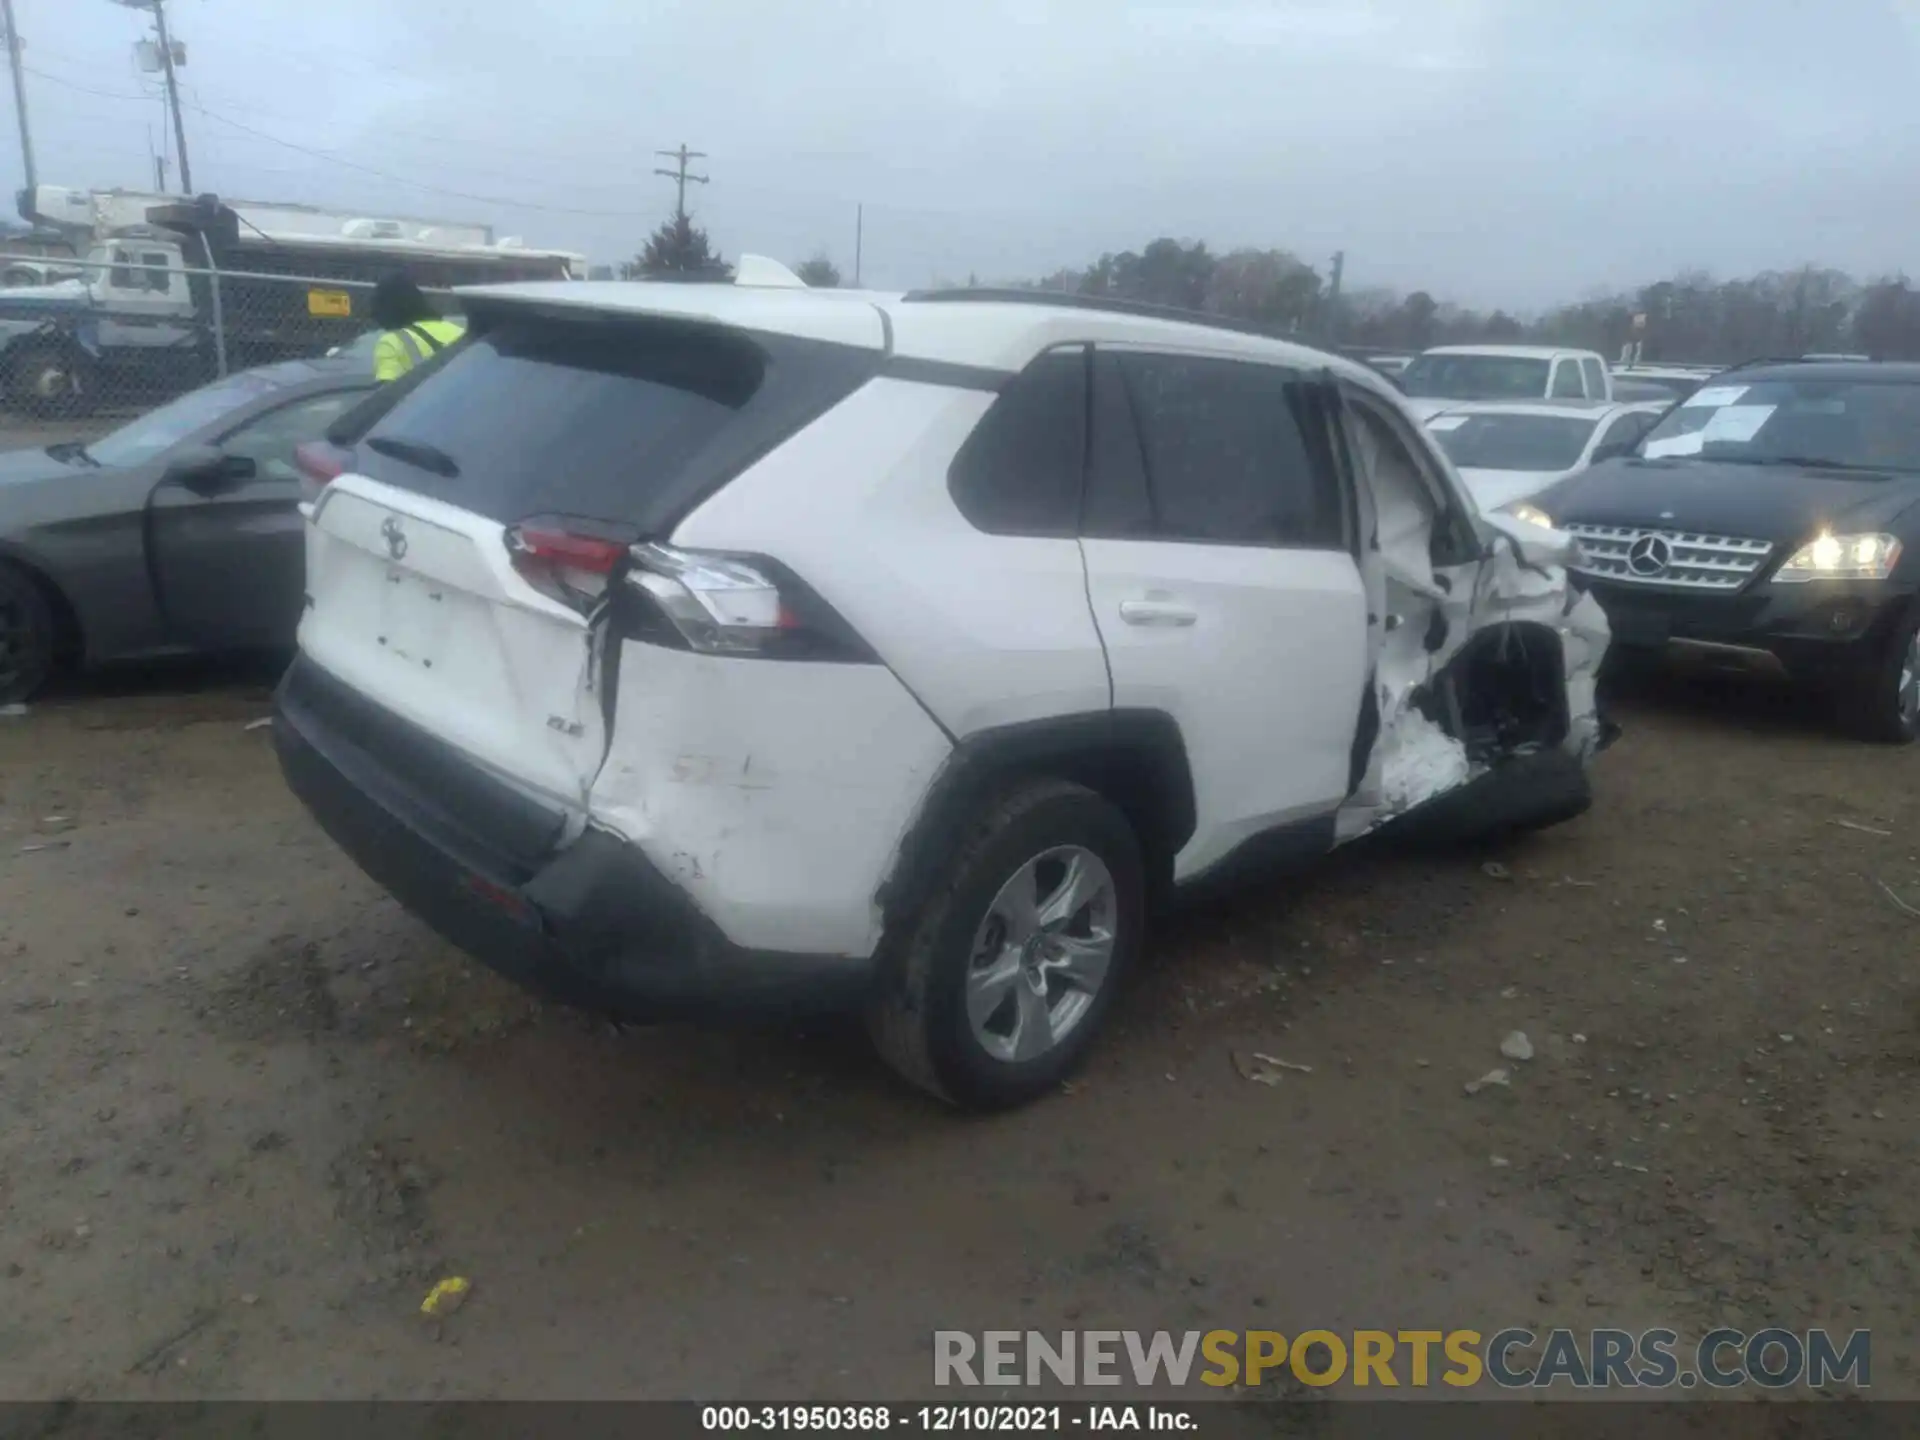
(1419, 760)
(1523, 580)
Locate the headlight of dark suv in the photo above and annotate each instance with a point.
(1529, 512)
(1841, 557)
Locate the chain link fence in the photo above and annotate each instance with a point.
(85, 344)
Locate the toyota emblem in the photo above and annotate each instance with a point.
(1649, 556)
(395, 537)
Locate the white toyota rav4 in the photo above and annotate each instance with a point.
(690, 649)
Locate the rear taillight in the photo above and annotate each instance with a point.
(566, 562)
(587, 553)
(740, 605)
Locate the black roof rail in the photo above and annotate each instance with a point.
(1008, 295)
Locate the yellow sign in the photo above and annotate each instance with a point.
(329, 302)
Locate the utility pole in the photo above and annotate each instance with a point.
(173, 93)
(19, 92)
(679, 174)
(1335, 271)
(859, 237)
(165, 45)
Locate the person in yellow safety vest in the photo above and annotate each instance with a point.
(413, 330)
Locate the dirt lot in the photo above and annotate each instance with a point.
(252, 1110)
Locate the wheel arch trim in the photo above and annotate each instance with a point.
(1134, 758)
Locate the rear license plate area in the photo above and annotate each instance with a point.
(413, 617)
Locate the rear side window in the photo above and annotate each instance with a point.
(1118, 505)
(1596, 378)
(1019, 471)
(1226, 461)
(630, 422)
(1567, 384)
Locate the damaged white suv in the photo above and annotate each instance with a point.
(696, 649)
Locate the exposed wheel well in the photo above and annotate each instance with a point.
(1505, 690)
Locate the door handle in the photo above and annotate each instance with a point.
(1156, 612)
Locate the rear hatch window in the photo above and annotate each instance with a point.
(627, 422)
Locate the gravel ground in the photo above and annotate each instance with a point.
(252, 1110)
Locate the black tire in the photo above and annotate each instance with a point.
(1882, 702)
(50, 381)
(29, 636)
(921, 1023)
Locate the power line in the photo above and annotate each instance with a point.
(416, 184)
(331, 62)
(332, 158)
(196, 98)
(87, 89)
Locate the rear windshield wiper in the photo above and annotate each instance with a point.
(417, 453)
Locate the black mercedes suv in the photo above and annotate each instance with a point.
(1775, 515)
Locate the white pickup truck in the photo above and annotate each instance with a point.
(1448, 374)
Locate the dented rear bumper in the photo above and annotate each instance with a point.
(590, 922)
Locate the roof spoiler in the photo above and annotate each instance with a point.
(762, 271)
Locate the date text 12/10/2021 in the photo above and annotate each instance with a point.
(944, 1419)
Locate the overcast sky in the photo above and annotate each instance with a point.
(1511, 152)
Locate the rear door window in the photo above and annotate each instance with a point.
(1567, 384)
(1226, 460)
(1596, 378)
(1019, 471)
(628, 422)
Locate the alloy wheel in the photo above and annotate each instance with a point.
(1041, 953)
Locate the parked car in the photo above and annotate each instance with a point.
(1772, 517)
(1448, 373)
(1387, 362)
(691, 648)
(1507, 450)
(177, 532)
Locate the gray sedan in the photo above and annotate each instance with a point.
(177, 533)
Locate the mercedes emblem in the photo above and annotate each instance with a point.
(1649, 556)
